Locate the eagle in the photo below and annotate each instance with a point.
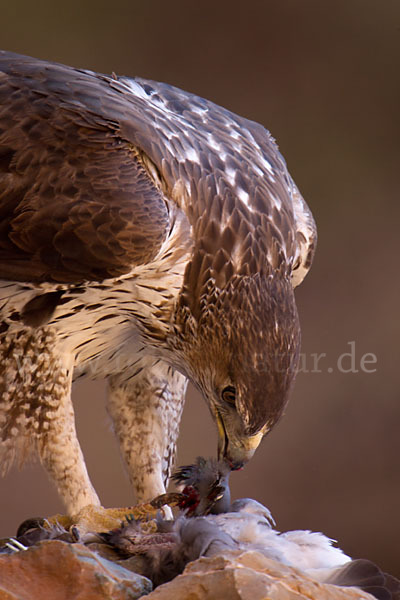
(149, 237)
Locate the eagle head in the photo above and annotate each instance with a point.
(239, 345)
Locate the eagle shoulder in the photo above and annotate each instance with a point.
(77, 202)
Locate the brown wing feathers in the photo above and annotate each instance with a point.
(75, 201)
(79, 202)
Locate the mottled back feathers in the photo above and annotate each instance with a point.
(85, 163)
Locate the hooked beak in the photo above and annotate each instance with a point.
(235, 453)
(222, 436)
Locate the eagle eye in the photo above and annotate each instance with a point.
(229, 395)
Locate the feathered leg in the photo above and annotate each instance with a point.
(146, 411)
(36, 413)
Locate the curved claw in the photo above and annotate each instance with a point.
(169, 498)
(15, 545)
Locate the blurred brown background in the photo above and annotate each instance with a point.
(323, 76)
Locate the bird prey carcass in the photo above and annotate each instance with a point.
(147, 236)
(209, 525)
